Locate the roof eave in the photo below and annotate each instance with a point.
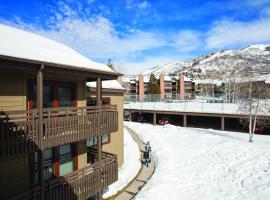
(109, 75)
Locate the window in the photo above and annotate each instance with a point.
(55, 94)
(93, 141)
(91, 101)
(66, 164)
(65, 96)
(48, 165)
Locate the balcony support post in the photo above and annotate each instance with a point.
(130, 116)
(222, 123)
(154, 118)
(40, 129)
(184, 120)
(99, 137)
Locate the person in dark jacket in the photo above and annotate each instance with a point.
(146, 158)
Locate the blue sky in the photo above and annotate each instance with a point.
(139, 34)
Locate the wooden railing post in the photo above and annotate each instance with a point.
(40, 128)
(99, 137)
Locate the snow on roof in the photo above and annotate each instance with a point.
(208, 81)
(146, 79)
(25, 45)
(126, 79)
(111, 84)
(167, 78)
(265, 78)
(186, 78)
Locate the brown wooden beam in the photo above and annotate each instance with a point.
(222, 123)
(154, 119)
(184, 120)
(99, 137)
(40, 129)
(130, 116)
(238, 116)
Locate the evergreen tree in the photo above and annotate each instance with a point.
(110, 65)
(153, 87)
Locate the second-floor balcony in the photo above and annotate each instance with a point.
(20, 130)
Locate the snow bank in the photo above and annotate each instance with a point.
(22, 44)
(205, 164)
(130, 167)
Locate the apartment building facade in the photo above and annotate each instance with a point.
(51, 141)
(179, 86)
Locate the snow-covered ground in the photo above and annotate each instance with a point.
(228, 108)
(130, 167)
(205, 164)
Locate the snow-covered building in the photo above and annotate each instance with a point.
(46, 124)
(169, 85)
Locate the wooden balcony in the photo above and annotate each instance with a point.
(20, 130)
(80, 184)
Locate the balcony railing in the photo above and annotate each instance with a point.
(19, 130)
(80, 184)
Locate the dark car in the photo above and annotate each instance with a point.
(163, 121)
(139, 118)
(259, 129)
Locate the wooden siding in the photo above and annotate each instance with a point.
(82, 154)
(14, 171)
(12, 91)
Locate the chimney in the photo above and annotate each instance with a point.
(182, 86)
(141, 88)
(161, 86)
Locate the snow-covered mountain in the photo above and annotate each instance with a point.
(169, 68)
(252, 57)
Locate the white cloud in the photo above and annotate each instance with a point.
(266, 11)
(143, 5)
(187, 40)
(228, 33)
(257, 2)
(96, 37)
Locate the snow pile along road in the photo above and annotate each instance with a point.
(130, 167)
(205, 164)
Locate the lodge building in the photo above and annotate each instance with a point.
(59, 139)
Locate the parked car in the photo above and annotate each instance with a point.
(126, 118)
(163, 121)
(259, 129)
(139, 118)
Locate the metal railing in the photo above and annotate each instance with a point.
(200, 105)
(167, 97)
(19, 130)
(80, 184)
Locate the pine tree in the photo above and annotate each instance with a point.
(110, 65)
(153, 87)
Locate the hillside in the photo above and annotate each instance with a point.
(251, 57)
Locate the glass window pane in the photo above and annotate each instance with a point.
(105, 138)
(66, 96)
(66, 168)
(48, 165)
(47, 154)
(64, 149)
(47, 97)
(66, 159)
(91, 141)
(48, 172)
